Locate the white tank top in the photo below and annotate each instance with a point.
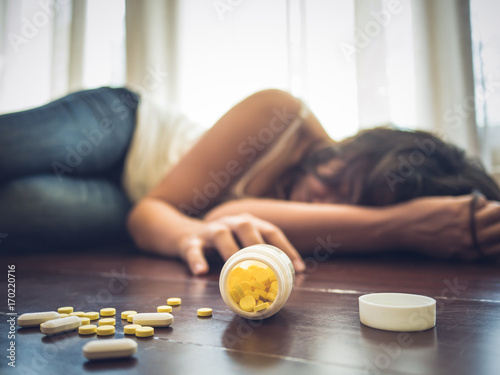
(161, 137)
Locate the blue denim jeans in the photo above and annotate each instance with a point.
(60, 169)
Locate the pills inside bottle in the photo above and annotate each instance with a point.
(256, 281)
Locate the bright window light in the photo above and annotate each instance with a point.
(226, 52)
(331, 78)
(104, 55)
(230, 49)
(486, 54)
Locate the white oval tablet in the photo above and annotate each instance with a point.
(35, 319)
(397, 311)
(107, 349)
(154, 319)
(55, 326)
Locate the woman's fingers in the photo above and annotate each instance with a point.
(223, 240)
(277, 238)
(222, 234)
(248, 233)
(489, 214)
(195, 257)
(250, 230)
(490, 237)
(259, 231)
(488, 228)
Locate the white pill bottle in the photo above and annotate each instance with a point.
(260, 255)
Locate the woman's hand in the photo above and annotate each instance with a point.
(440, 227)
(227, 234)
(487, 220)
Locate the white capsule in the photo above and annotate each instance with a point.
(107, 349)
(56, 326)
(154, 319)
(35, 319)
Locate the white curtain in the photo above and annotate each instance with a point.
(41, 51)
(426, 45)
(444, 70)
(151, 47)
(49, 48)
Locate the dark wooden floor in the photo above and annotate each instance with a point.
(317, 332)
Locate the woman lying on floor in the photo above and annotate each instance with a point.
(78, 171)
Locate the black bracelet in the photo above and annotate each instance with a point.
(472, 223)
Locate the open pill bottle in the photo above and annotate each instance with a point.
(256, 281)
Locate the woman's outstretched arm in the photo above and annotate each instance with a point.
(436, 226)
(159, 227)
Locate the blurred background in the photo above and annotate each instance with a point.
(421, 64)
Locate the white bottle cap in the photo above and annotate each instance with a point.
(397, 311)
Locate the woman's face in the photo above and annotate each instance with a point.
(309, 188)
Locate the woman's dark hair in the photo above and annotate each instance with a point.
(383, 166)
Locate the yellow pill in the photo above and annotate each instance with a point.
(65, 310)
(130, 318)
(125, 314)
(107, 322)
(85, 320)
(255, 295)
(77, 313)
(261, 306)
(129, 329)
(271, 296)
(262, 276)
(88, 329)
(63, 315)
(174, 301)
(239, 290)
(204, 311)
(246, 276)
(259, 302)
(92, 315)
(234, 295)
(247, 303)
(105, 330)
(255, 284)
(144, 331)
(254, 267)
(237, 271)
(164, 308)
(245, 285)
(108, 311)
(269, 272)
(274, 287)
(262, 293)
(272, 277)
(233, 280)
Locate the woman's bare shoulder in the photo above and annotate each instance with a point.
(228, 149)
